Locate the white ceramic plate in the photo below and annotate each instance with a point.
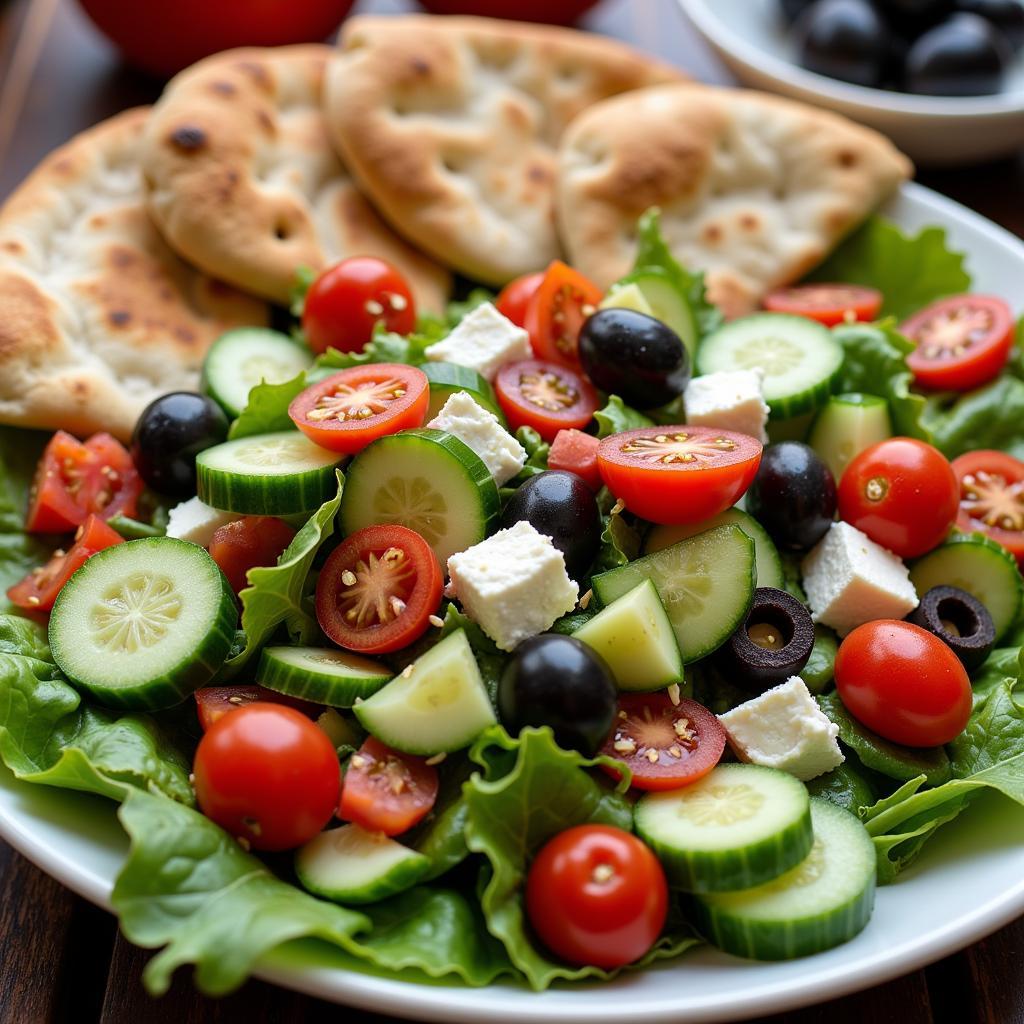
(750, 38)
(969, 882)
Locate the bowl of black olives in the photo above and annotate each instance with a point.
(943, 78)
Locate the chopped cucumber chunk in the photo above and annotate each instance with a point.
(666, 302)
(846, 426)
(322, 675)
(448, 378)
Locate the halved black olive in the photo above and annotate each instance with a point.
(960, 621)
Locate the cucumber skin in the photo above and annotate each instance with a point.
(333, 693)
(291, 496)
(461, 378)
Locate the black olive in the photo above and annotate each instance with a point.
(910, 18)
(773, 642)
(557, 681)
(792, 9)
(964, 56)
(562, 506)
(793, 495)
(634, 356)
(172, 430)
(1006, 16)
(844, 39)
(960, 621)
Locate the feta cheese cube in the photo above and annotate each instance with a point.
(478, 428)
(197, 522)
(729, 400)
(513, 584)
(484, 341)
(784, 728)
(850, 580)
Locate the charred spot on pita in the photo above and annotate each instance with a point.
(189, 138)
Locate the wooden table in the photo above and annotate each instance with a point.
(62, 959)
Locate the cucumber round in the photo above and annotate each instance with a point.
(824, 901)
(846, 426)
(322, 675)
(267, 474)
(800, 358)
(740, 825)
(667, 303)
(143, 624)
(447, 378)
(426, 480)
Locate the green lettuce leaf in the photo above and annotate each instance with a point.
(995, 732)
(385, 347)
(1001, 665)
(616, 417)
(441, 835)
(620, 543)
(847, 786)
(19, 552)
(537, 450)
(988, 417)
(267, 409)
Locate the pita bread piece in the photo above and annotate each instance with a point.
(99, 316)
(451, 124)
(755, 190)
(243, 179)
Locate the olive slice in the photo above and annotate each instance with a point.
(773, 642)
(960, 621)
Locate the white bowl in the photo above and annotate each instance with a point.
(751, 39)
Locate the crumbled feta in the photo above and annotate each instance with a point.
(484, 341)
(513, 584)
(850, 580)
(195, 521)
(478, 428)
(784, 728)
(728, 400)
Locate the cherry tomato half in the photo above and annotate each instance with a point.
(597, 895)
(378, 589)
(347, 301)
(678, 474)
(513, 299)
(962, 341)
(902, 493)
(576, 452)
(265, 773)
(385, 791)
(348, 410)
(904, 683)
(214, 702)
(991, 486)
(247, 543)
(829, 304)
(687, 739)
(544, 396)
(555, 314)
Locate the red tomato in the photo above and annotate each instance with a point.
(686, 737)
(268, 775)
(678, 474)
(829, 304)
(544, 396)
(214, 702)
(555, 314)
(39, 589)
(513, 299)
(348, 410)
(576, 452)
(347, 301)
(378, 589)
(597, 895)
(385, 791)
(904, 683)
(551, 12)
(962, 341)
(75, 480)
(240, 546)
(991, 490)
(902, 493)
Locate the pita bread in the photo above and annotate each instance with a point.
(244, 182)
(99, 316)
(755, 190)
(451, 125)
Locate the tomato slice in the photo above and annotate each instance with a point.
(39, 589)
(992, 498)
(544, 396)
(962, 341)
(348, 410)
(829, 304)
(242, 545)
(678, 474)
(213, 702)
(513, 299)
(385, 791)
(576, 452)
(555, 314)
(378, 589)
(665, 745)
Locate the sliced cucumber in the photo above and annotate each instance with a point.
(626, 296)
(341, 731)
(667, 304)
(706, 583)
(267, 474)
(143, 624)
(351, 865)
(738, 826)
(447, 378)
(800, 358)
(846, 426)
(980, 566)
(438, 704)
(322, 675)
(766, 554)
(240, 359)
(825, 900)
(634, 635)
(426, 480)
